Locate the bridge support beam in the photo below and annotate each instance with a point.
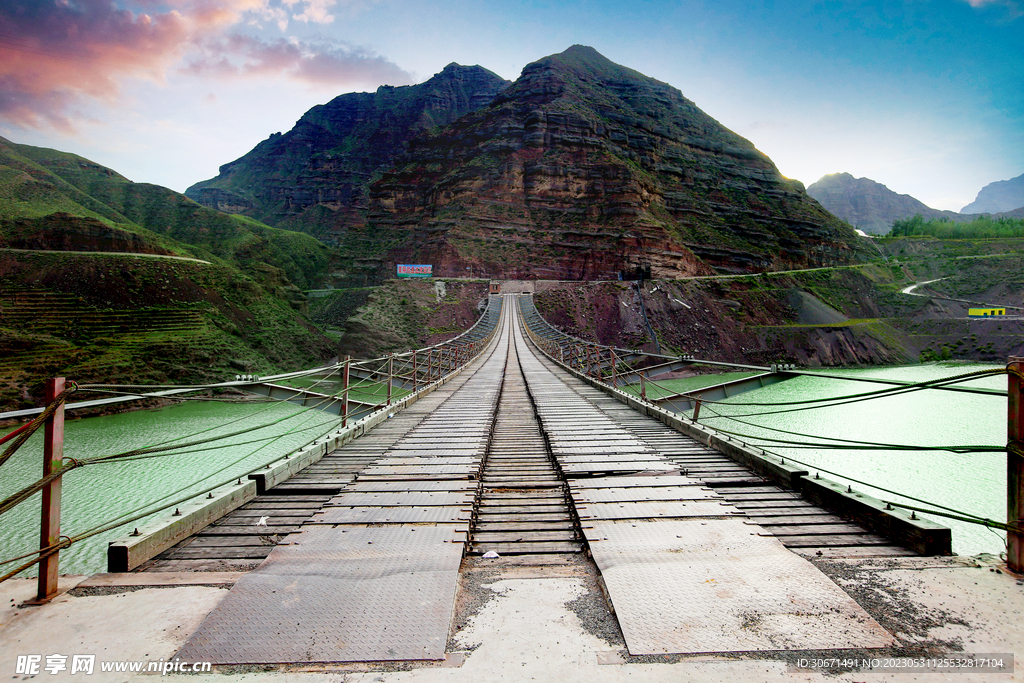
(1015, 467)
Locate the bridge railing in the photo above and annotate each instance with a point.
(622, 367)
(422, 370)
(354, 388)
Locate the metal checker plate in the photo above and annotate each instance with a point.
(393, 515)
(427, 460)
(345, 594)
(377, 470)
(626, 465)
(397, 486)
(435, 452)
(613, 441)
(643, 481)
(640, 494)
(716, 586)
(653, 509)
(593, 455)
(405, 499)
(433, 447)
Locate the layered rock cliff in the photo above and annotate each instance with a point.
(583, 168)
(314, 177)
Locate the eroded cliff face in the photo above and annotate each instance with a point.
(314, 177)
(583, 168)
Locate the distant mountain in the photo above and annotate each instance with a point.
(869, 205)
(1002, 195)
(314, 177)
(578, 170)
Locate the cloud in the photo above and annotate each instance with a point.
(58, 55)
(318, 64)
(1014, 8)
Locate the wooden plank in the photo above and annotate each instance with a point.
(521, 525)
(813, 529)
(522, 536)
(854, 552)
(233, 541)
(834, 541)
(239, 552)
(773, 520)
(772, 505)
(525, 548)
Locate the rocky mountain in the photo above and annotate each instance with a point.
(997, 197)
(869, 205)
(580, 169)
(314, 177)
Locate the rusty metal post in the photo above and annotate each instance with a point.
(344, 392)
(415, 377)
(696, 409)
(391, 374)
(53, 454)
(615, 371)
(1015, 466)
(643, 387)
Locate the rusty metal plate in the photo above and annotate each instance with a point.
(394, 515)
(345, 594)
(717, 586)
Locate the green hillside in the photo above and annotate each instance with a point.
(105, 280)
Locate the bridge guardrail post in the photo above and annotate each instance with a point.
(391, 374)
(1015, 466)
(344, 392)
(53, 454)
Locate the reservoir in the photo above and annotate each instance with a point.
(97, 494)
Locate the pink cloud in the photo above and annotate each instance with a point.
(57, 54)
(241, 55)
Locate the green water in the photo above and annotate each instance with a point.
(97, 494)
(974, 483)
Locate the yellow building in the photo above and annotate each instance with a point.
(985, 312)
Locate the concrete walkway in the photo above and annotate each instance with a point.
(541, 623)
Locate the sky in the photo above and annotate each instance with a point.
(924, 96)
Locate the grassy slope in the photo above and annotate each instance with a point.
(110, 318)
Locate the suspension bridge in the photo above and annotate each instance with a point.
(516, 441)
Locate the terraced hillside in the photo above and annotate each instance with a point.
(105, 280)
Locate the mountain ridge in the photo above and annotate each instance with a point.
(1000, 196)
(872, 207)
(580, 169)
(314, 177)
